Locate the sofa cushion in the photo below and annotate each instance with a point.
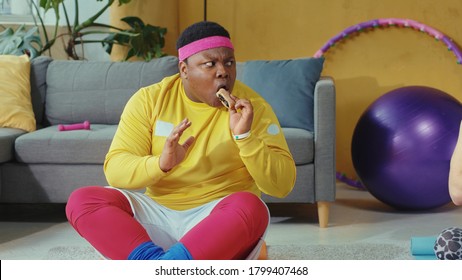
(98, 91)
(301, 144)
(240, 66)
(48, 145)
(38, 87)
(288, 86)
(7, 137)
(15, 101)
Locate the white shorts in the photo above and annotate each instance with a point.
(166, 226)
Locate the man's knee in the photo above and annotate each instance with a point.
(250, 201)
(250, 207)
(78, 201)
(88, 199)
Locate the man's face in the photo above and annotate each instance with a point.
(206, 72)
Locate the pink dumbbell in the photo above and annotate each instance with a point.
(76, 126)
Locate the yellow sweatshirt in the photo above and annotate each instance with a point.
(216, 165)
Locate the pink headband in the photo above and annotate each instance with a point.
(204, 44)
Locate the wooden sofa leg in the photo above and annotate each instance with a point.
(323, 213)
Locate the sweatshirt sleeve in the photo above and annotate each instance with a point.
(266, 155)
(129, 162)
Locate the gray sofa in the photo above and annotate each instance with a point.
(46, 165)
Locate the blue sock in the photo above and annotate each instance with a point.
(177, 252)
(146, 251)
(150, 251)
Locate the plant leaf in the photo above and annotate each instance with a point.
(51, 4)
(122, 2)
(150, 41)
(20, 41)
(135, 22)
(8, 42)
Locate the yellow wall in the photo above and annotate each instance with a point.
(364, 66)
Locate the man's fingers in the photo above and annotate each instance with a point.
(172, 140)
(183, 126)
(188, 142)
(241, 103)
(179, 129)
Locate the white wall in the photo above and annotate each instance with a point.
(87, 8)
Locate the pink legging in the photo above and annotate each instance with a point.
(103, 216)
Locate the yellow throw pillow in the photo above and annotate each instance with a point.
(15, 100)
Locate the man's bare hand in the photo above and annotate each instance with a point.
(241, 116)
(174, 152)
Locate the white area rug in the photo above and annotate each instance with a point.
(362, 251)
(72, 253)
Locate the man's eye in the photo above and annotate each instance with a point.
(209, 64)
(229, 63)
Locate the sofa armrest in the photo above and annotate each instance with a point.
(324, 139)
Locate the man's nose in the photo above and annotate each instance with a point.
(222, 72)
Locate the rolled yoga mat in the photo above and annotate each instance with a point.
(422, 247)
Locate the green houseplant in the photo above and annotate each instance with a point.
(142, 40)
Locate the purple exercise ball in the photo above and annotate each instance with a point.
(402, 146)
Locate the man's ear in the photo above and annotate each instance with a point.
(183, 68)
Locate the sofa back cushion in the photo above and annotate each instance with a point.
(98, 91)
(38, 87)
(287, 85)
